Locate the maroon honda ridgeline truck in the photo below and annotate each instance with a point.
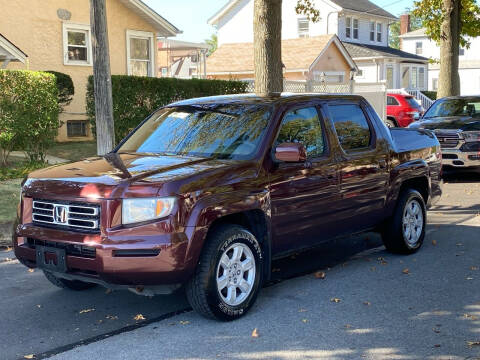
(206, 192)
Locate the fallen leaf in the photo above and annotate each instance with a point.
(473, 343)
(31, 270)
(31, 356)
(335, 300)
(39, 306)
(302, 310)
(406, 271)
(184, 322)
(474, 268)
(255, 333)
(384, 262)
(85, 311)
(139, 317)
(434, 242)
(373, 268)
(99, 321)
(435, 330)
(469, 278)
(304, 321)
(320, 275)
(111, 317)
(459, 244)
(348, 326)
(437, 345)
(108, 291)
(367, 303)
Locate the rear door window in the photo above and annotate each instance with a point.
(392, 101)
(352, 127)
(412, 102)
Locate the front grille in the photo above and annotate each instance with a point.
(449, 156)
(66, 215)
(71, 249)
(447, 140)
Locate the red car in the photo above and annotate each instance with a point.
(402, 110)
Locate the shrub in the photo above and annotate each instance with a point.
(28, 113)
(134, 98)
(430, 94)
(65, 87)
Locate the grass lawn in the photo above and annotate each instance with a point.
(74, 150)
(9, 197)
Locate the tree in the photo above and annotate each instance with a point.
(102, 78)
(450, 23)
(212, 44)
(394, 30)
(267, 40)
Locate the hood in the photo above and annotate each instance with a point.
(464, 123)
(113, 174)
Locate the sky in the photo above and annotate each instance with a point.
(191, 16)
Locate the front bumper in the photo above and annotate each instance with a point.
(142, 257)
(460, 159)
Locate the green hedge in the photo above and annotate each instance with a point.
(430, 94)
(65, 87)
(134, 97)
(28, 113)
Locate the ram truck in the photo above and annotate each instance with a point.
(205, 193)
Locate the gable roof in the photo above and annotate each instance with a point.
(297, 55)
(374, 51)
(362, 6)
(13, 53)
(422, 32)
(161, 25)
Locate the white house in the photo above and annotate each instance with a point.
(417, 42)
(360, 24)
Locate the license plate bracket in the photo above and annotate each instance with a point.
(51, 259)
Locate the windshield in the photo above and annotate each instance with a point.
(454, 107)
(223, 131)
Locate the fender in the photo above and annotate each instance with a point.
(213, 207)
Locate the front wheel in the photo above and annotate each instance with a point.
(405, 231)
(228, 277)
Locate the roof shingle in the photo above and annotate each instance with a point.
(364, 6)
(365, 51)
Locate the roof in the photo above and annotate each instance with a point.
(364, 6)
(297, 54)
(10, 51)
(253, 98)
(422, 32)
(358, 51)
(161, 25)
(171, 44)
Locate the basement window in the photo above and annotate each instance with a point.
(77, 128)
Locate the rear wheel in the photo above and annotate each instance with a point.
(405, 231)
(67, 284)
(390, 123)
(228, 277)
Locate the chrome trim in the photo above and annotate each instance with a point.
(72, 214)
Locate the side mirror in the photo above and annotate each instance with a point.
(291, 152)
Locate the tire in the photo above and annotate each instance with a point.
(68, 284)
(390, 123)
(405, 231)
(218, 275)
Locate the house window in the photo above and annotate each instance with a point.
(355, 28)
(435, 84)
(413, 77)
(379, 32)
(334, 77)
(419, 48)
(77, 47)
(77, 128)
(303, 25)
(348, 27)
(372, 31)
(140, 54)
(461, 52)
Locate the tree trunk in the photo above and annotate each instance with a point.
(449, 79)
(267, 43)
(102, 78)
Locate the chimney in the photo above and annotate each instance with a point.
(404, 23)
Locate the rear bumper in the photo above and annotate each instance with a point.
(460, 159)
(119, 259)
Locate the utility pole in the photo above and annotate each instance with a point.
(102, 78)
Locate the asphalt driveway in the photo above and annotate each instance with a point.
(370, 305)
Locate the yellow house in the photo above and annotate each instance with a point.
(318, 58)
(55, 35)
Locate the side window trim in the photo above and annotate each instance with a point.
(317, 107)
(373, 135)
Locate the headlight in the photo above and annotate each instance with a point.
(138, 210)
(471, 135)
